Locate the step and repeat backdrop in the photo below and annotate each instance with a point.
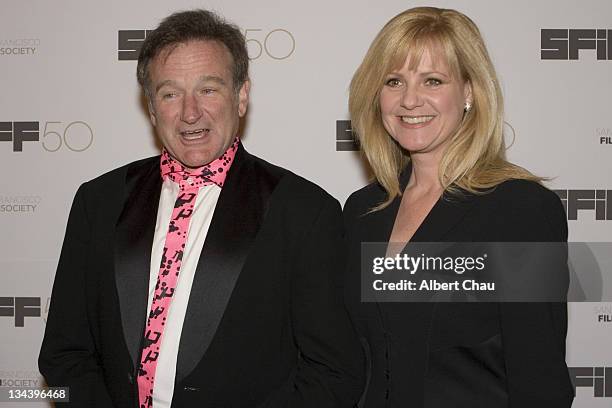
(71, 109)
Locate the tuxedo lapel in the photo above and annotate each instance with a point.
(133, 240)
(237, 218)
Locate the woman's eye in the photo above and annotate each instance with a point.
(433, 82)
(393, 82)
(168, 95)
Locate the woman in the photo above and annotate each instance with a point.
(427, 107)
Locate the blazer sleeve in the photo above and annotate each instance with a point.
(68, 356)
(330, 368)
(533, 334)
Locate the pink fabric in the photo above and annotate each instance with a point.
(189, 183)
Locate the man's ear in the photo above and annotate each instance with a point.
(243, 97)
(152, 115)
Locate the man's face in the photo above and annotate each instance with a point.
(193, 105)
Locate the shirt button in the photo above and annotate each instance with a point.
(190, 181)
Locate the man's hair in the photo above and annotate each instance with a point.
(191, 25)
(475, 158)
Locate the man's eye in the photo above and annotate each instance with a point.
(169, 95)
(433, 82)
(207, 91)
(393, 82)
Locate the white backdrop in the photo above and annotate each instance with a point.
(59, 68)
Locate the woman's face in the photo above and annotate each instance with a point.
(422, 108)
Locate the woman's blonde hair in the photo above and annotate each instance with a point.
(475, 158)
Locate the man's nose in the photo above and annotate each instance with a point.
(191, 111)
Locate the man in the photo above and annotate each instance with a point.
(212, 282)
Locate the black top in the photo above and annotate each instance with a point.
(462, 354)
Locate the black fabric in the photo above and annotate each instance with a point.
(266, 324)
(456, 355)
(220, 264)
(133, 237)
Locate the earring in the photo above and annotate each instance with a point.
(467, 107)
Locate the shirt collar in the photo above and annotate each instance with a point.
(211, 173)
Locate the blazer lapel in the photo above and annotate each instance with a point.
(378, 225)
(448, 211)
(445, 214)
(133, 240)
(237, 218)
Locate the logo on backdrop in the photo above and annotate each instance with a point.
(130, 43)
(75, 136)
(19, 204)
(604, 135)
(346, 139)
(275, 44)
(595, 202)
(22, 309)
(571, 44)
(19, 308)
(19, 46)
(20, 378)
(603, 313)
(598, 378)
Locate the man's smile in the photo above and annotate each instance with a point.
(194, 134)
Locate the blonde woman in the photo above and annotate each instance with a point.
(428, 109)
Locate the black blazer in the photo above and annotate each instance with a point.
(452, 355)
(265, 324)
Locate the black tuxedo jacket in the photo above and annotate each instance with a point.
(456, 355)
(265, 324)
